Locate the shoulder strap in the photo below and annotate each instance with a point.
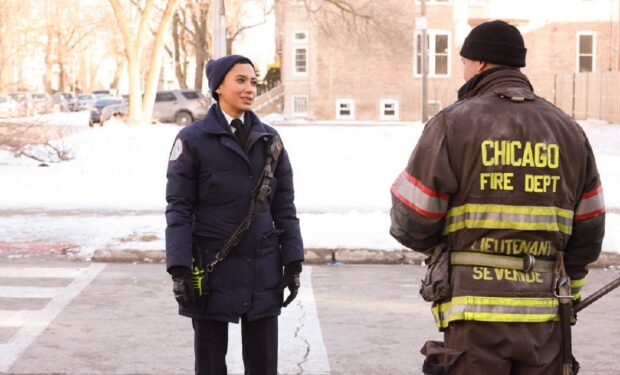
(273, 148)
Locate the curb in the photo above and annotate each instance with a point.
(318, 256)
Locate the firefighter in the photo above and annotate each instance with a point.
(499, 184)
(216, 167)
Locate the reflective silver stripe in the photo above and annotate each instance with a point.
(496, 309)
(498, 216)
(509, 217)
(591, 204)
(504, 309)
(418, 197)
(468, 258)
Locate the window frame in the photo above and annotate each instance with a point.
(294, 109)
(578, 53)
(300, 44)
(351, 103)
(432, 34)
(382, 108)
(295, 71)
(165, 96)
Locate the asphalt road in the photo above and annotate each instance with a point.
(71, 317)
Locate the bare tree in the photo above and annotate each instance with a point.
(190, 32)
(37, 141)
(360, 22)
(235, 13)
(141, 107)
(71, 30)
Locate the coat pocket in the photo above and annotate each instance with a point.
(439, 358)
(269, 260)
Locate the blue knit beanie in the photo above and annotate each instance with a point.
(217, 69)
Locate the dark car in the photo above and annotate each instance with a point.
(100, 104)
(181, 107)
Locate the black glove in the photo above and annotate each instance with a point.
(290, 280)
(182, 286)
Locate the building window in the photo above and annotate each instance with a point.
(301, 61)
(389, 109)
(300, 105)
(300, 36)
(300, 53)
(438, 53)
(345, 109)
(586, 45)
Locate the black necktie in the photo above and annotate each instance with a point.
(239, 131)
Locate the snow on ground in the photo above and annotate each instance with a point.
(112, 195)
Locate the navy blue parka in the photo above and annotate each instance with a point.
(210, 178)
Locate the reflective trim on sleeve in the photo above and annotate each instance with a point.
(499, 216)
(591, 204)
(418, 197)
(496, 309)
(575, 287)
(470, 258)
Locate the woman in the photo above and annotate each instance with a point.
(215, 167)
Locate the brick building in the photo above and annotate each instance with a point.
(340, 67)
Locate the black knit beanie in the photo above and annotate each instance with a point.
(217, 69)
(495, 42)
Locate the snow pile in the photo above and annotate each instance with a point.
(112, 195)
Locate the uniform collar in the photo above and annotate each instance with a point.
(493, 79)
(229, 118)
(215, 123)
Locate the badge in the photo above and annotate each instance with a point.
(177, 150)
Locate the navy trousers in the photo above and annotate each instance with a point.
(260, 346)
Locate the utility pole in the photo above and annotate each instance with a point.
(218, 15)
(424, 47)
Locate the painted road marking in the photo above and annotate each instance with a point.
(302, 349)
(28, 292)
(40, 319)
(36, 272)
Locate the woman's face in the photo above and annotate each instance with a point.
(238, 90)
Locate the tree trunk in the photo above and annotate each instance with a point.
(120, 63)
(156, 57)
(200, 44)
(180, 69)
(133, 51)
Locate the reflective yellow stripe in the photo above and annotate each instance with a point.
(529, 210)
(577, 283)
(575, 287)
(497, 216)
(496, 309)
(468, 258)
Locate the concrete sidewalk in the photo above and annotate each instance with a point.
(321, 256)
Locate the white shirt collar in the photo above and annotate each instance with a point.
(229, 118)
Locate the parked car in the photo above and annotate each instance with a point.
(177, 106)
(71, 101)
(86, 101)
(42, 102)
(59, 103)
(100, 104)
(25, 103)
(8, 106)
(102, 92)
